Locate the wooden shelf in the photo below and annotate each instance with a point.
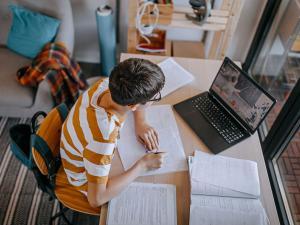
(222, 22)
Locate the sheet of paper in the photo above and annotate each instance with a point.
(244, 205)
(201, 188)
(176, 76)
(211, 216)
(240, 205)
(234, 174)
(144, 204)
(162, 119)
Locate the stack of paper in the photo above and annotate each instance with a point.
(144, 204)
(225, 176)
(176, 76)
(224, 191)
(131, 150)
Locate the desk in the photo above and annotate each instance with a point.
(204, 72)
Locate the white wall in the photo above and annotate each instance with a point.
(246, 29)
(123, 25)
(86, 38)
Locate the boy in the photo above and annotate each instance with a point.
(91, 130)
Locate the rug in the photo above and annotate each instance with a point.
(21, 202)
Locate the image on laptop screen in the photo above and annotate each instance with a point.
(247, 100)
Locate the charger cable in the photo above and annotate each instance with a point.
(146, 29)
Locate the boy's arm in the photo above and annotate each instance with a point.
(146, 134)
(99, 194)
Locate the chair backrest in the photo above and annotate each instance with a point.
(60, 9)
(46, 141)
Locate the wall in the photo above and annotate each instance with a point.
(86, 39)
(246, 29)
(123, 25)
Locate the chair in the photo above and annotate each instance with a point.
(55, 183)
(21, 101)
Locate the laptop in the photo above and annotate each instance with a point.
(230, 111)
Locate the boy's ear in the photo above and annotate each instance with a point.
(134, 107)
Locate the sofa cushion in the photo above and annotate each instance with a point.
(30, 31)
(60, 9)
(13, 93)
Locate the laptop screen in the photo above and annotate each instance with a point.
(249, 101)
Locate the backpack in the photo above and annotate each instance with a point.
(36, 145)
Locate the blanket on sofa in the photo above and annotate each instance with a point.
(55, 65)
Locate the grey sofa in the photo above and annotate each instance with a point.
(15, 99)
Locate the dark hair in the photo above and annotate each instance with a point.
(135, 81)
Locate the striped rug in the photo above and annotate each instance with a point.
(21, 202)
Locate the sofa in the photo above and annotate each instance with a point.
(17, 100)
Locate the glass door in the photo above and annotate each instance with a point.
(277, 68)
(282, 153)
(287, 171)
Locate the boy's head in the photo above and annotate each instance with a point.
(135, 81)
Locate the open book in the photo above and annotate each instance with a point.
(144, 204)
(224, 191)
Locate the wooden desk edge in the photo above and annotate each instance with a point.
(103, 214)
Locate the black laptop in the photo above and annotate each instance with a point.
(230, 111)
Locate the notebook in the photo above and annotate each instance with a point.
(224, 191)
(144, 204)
(131, 150)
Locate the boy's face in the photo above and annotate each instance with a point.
(156, 98)
(134, 107)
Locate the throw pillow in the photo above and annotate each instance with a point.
(30, 31)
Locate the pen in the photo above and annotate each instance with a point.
(156, 152)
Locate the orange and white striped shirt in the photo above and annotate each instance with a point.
(88, 139)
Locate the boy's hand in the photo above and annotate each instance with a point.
(147, 135)
(152, 161)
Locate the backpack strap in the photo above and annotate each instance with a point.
(34, 120)
(52, 163)
(63, 111)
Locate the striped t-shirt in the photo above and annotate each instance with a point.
(88, 139)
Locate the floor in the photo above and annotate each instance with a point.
(289, 166)
(90, 69)
(289, 161)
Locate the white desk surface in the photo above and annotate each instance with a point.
(204, 72)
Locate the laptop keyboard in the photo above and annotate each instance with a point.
(226, 128)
